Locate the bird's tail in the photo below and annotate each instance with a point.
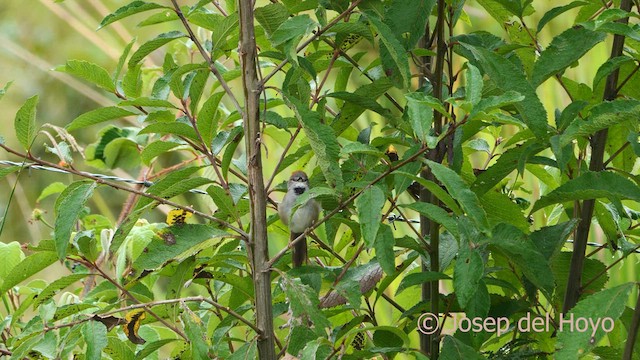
(299, 251)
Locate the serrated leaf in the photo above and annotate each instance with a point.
(12, 255)
(26, 268)
(90, 72)
(223, 201)
(369, 205)
(98, 116)
(68, 207)
(186, 236)
(174, 128)
(420, 278)
(393, 54)
(151, 45)
(132, 81)
(420, 115)
(132, 8)
(603, 115)
(54, 287)
(94, 333)
(351, 111)
(118, 349)
(150, 102)
(304, 300)
(467, 275)
(296, 26)
(564, 50)
(271, 16)
(122, 59)
(460, 191)
(495, 102)
(324, 143)
(591, 185)
(521, 251)
(550, 239)
(184, 186)
(509, 78)
(408, 17)
(360, 148)
(556, 11)
(384, 244)
(25, 122)
(606, 304)
(454, 349)
(151, 348)
(473, 85)
(155, 149)
(436, 214)
(436, 190)
(361, 101)
(9, 170)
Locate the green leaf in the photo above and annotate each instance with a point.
(223, 201)
(9, 170)
(118, 349)
(491, 103)
(436, 190)
(150, 102)
(564, 50)
(501, 209)
(271, 17)
(360, 148)
(122, 59)
(550, 239)
(420, 115)
(408, 17)
(460, 191)
(90, 72)
(369, 205)
(208, 117)
(454, 349)
(133, 8)
(304, 300)
(174, 128)
(94, 333)
(436, 214)
(186, 238)
(602, 308)
(5, 88)
(361, 101)
(11, 254)
(151, 45)
(508, 77)
(384, 249)
(196, 333)
(591, 185)
(324, 143)
(393, 55)
(69, 206)
(54, 287)
(521, 251)
(296, 26)
(97, 116)
(603, 115)
(132, 81)
(467, 275)
(351, 111)
(420, 278)
(556, 11)
(506, 163)
(473, 85)
(151, 348)
(27, 268)
(155, 149)
(25, 122)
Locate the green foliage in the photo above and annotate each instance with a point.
(471, 191)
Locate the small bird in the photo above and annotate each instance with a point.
(304, 217)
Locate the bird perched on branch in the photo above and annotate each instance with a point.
(303, 218)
